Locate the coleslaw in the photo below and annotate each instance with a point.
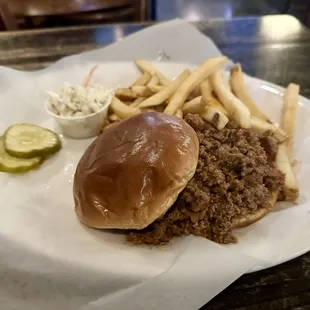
(79, 100)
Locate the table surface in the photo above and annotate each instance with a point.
(275, 48)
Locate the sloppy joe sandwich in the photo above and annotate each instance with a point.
(192, 155)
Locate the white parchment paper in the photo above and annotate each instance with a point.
(48, 260)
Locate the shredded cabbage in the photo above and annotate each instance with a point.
(78, 100)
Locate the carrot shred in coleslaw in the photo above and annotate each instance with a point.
(89, 76)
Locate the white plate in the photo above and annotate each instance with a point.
(40, 202)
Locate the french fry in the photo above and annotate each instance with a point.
(213, 102)
(166, 93)
(113, 118)
(162, 79)
(215, 117)
(206, 90)
(290, 102)
(290, 189)
(143, 79)
(239, 89)
(194, 79)
(127, 102)
(262, 127)
(195, 93)
(194, 106)
(145, 66)
(179, 113)
(125, 94)
(141, 91)
(129, 94)
(137, 101)
(209, 99)
(156, 88)
(236, 109)
(122, 110)
(153, 81)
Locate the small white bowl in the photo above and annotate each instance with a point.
(81, 127)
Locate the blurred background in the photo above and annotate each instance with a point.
(29, 14)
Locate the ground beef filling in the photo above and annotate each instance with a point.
(235, 176)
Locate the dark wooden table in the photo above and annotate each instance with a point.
(275, 48)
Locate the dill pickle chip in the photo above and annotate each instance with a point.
(12, 164)
(27, 141)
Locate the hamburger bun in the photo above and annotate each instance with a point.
(133, 173)
(246, 220)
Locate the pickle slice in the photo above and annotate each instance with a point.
(12, 164)
(27, 141)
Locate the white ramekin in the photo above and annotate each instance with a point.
(81, 127)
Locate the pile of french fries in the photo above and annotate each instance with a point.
(207, 91)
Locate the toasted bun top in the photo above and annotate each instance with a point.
(132, 173)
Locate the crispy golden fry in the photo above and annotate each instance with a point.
(239, 89)
(137, 101)
(129, 94)
(194, 106)
(290, 103)
(113, 118)
(236, 109)
(141, 91)
(215, 117)
(145, 66)
(156, 88)
(125, 94)
(206, 90)
(262, 127)
(195, 78)
(213, 102)
(209, 99)
(153, 81)
(179, 113)
(122, 110)
(195, 93)
(162, 80)
(166, 93)
(290, 189)
(143, 79)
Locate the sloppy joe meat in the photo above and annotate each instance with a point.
(235, 176)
